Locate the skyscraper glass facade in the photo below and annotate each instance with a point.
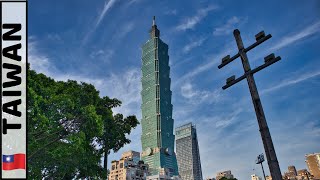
(157, 124)
(188, 154)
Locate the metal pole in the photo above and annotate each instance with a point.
(263, 127)
(263, 171)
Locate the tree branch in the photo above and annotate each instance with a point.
(40, 149)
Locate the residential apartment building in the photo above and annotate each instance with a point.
(313, 163)
(129, 167)
(226, 174)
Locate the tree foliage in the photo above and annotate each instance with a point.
(224, 178)
(70, 129)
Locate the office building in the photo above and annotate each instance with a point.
(188, 155)
(157, 136)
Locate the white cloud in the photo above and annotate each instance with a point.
(37, 60)
(310, 30)
(189, 23)
(104, 55)
(187, 48)
(126, 28)
(123, 86)
(107, 6)
(198, 96)
(54, 37)
(212, 61)
(223, 122)
(229, 26)
(171, 12)
(293, 81)
(134, 1)
(126, 87)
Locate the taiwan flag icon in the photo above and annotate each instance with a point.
(15, 161)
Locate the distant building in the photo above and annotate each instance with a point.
(188, 155)
(268, 178)
(304, 174)
(128, 167)
(292, 170)
(164, 174)
(313, 163)
(291, 174)
(255, 177)
(226, 174)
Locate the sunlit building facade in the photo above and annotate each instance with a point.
(313, 163)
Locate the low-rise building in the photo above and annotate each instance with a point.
(164, 174)
(292, 174)
(268, 178)
(292, 170)
(304, 174)
(129, 167)
(255, 177)
(226, 174)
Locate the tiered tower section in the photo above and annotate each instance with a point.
(157, 124)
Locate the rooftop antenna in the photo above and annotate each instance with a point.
(154, 20)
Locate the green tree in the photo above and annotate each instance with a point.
(224, 178)
(68, 124)
(116, 129)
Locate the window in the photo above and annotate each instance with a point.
(121, 165)
(113, 167)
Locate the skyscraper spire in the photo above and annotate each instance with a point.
(154, 32)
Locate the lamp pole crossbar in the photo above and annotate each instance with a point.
(248, 74)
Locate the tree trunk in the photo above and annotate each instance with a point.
(105, 160)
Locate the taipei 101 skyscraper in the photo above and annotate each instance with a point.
(157, 124)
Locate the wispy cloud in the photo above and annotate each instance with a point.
(107, 6)
(310, 30)
(197, 96)
(171, 12)
(126, 28)
(134, 1)
(226, 121)
(104, 55)
(296, 80)
(38, 60)
(189, 23)
(187, 48)
(229, 26)
(210, 63)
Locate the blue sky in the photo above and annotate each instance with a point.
(100, 42)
